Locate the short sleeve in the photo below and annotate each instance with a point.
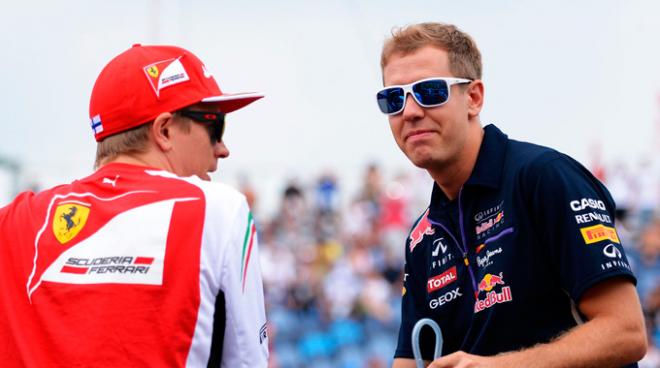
(409, 316)
(574, 215)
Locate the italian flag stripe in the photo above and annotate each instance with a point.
(248, 242)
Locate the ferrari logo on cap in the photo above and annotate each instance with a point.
(165, 74)
(69, 219)
(153, 71)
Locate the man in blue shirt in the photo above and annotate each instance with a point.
(516, 258)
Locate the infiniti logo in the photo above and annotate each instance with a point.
(612, 251)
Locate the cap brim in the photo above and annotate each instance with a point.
(229, 102)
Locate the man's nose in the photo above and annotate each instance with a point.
(221, 150)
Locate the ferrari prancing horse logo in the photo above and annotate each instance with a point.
(69, 219)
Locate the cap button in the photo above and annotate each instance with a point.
(137, 45)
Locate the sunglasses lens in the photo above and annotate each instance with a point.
(391, 100)
(218, 131)
(214, 122)
(431, 92)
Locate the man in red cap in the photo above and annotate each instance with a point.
(145, 262)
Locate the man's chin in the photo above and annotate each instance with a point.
(421, 161)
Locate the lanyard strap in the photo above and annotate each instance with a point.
(415, 340)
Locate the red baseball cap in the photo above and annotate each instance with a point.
(145, 81)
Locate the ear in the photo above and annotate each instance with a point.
(475, 95)
(161, 131)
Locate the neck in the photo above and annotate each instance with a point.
(451, 176)
(149, 159)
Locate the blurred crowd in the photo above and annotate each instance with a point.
(332, 267)
(333, 271)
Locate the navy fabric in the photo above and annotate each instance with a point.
(502, 266)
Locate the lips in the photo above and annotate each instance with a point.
(418, 133)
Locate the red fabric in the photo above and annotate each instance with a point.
(82, 325)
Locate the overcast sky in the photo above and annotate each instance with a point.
(567, 74)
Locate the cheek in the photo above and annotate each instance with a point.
(395, 127)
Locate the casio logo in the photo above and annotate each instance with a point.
(587, 203)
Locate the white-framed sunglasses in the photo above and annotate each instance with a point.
(428, 92)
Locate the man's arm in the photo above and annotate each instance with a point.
(245, 342)
(404, 363)
(613, 336)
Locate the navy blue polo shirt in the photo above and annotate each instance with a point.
(503, 266)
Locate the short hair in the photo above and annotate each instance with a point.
(131, 141)
(464, 56)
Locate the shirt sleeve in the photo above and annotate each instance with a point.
(246, 337)
(574, 215)
(410, 314)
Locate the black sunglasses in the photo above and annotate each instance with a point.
(213, 121)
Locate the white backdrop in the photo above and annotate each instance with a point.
(566, 74)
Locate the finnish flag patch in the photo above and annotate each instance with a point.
(96, 124)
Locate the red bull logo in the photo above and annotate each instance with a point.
(493, 298)
(423, 227)
(490, 223)
(489, 281)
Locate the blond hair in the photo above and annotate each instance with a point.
(464, 56)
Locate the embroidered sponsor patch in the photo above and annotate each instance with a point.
(441, 280)
(488, 224)
(492, 297)
(96, 124)
(422, 228)
(445, 298)
(588, 217)
(584, 203)
(596, 233)
(165, 74)
(69, 219)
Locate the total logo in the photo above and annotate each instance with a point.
(492, 297)
(445, 298)
(441, 280)
(423, 227)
